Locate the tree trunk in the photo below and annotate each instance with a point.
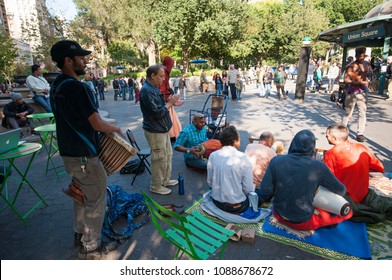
(151, 53)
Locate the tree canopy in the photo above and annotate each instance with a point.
(8, 54)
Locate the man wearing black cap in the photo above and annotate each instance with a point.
(77, 126)
(16, 111)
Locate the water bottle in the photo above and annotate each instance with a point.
(181, 190)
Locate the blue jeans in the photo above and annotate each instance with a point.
(130, 93)
(218, 89)
(43, 101)
(124, 93)
(239, 94)
(196, 162)
(101, 94)
(267, 88)
(310, 81)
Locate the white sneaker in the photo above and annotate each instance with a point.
(161, 190)
(171, 183)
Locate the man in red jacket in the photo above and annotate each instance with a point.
(350, 163)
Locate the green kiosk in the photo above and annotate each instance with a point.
(375, 30)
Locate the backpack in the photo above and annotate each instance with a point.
(132, 167)
(120, 203)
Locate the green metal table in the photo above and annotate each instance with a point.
(26, 149)
(47, 133)
(37, 119)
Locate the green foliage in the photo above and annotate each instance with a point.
(281, 28)
(199, 28)
(8, 54)
(122, 52)
(341, 12)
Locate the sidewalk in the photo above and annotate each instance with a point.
(48, 234)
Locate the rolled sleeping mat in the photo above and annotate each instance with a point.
(331, 202)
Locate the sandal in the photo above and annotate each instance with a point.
(237, 232)
(179, 209)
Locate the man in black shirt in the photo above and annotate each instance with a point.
(77, 126)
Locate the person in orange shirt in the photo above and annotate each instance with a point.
(350, 163)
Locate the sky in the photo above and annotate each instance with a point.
(64, 8)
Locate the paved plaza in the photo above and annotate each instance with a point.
(48, 234)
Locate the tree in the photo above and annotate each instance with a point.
(8, 53)
(341, 12)
(122, 52)
(199, 27)
(281, 28)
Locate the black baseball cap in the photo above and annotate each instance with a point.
(67, 48)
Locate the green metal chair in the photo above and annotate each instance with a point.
(195, 235)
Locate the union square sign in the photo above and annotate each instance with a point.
(364, 34)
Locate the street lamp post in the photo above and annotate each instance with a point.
(302, 69)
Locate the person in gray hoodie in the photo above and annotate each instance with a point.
(292, 181)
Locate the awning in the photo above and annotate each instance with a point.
(199, 60)
(335, 35)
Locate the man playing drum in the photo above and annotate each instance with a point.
(190, 137)
(77, 126)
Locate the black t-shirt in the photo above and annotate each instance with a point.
(73, 105)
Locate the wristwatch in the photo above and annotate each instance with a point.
(188, 151)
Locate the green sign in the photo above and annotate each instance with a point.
(364, 34)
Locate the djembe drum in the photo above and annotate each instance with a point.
(207, 147)
(115, 152)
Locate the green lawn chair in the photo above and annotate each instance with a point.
(195, 235)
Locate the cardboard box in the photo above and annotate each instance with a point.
(248, 235)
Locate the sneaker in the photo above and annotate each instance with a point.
(96, 254)
(360, 138)
(161, 190)
(171, 183)
(78, 239)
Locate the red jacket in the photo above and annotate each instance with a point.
(351, 163)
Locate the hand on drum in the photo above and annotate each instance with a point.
(195, 151)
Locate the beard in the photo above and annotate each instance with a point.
(80, 72)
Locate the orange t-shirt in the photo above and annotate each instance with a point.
(351, 163)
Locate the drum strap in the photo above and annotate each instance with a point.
(52, 99)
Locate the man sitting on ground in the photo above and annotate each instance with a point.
(351, 163)
(15, 112)
(260, 155)
(229, 174)
(189, 138)
(292, 181)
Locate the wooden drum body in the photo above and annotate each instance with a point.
(115, 152)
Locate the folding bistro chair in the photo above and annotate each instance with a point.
(142, 154)
(195, 235)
